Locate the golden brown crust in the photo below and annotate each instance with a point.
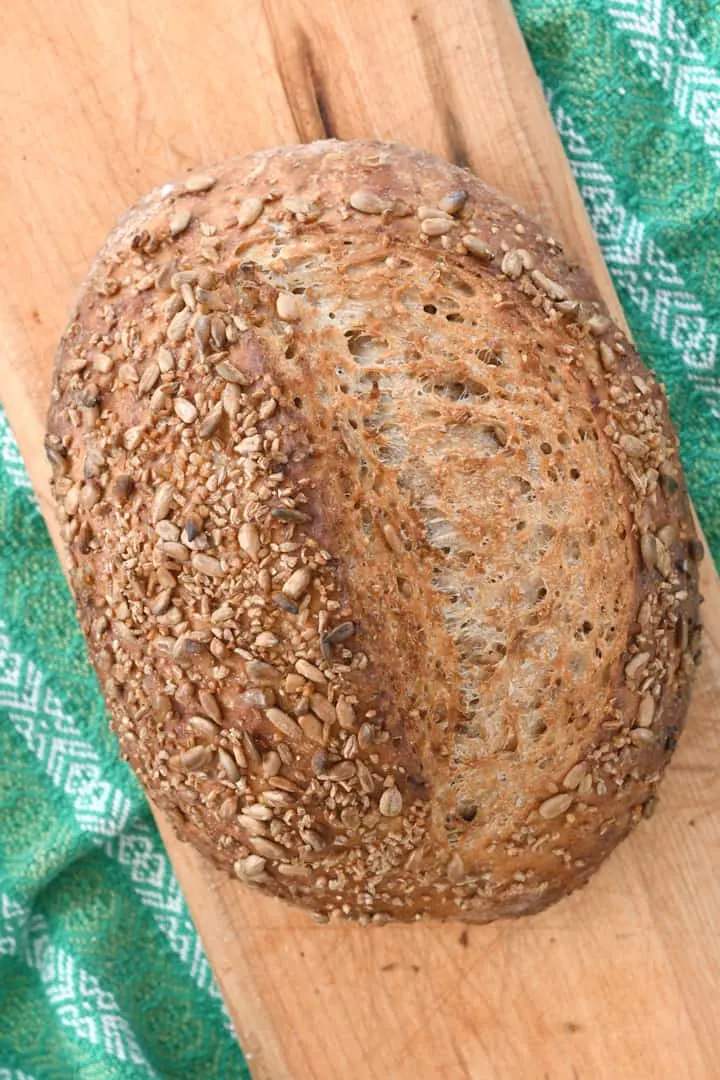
(378, 534)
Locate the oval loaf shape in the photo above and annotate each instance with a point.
(378, 534)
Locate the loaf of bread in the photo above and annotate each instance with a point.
(378, 534)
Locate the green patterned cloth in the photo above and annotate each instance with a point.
(102, 975)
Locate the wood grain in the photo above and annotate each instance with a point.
(101, 101)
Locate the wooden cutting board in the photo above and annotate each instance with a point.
(98, 103)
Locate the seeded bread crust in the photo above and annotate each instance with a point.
(378, 534)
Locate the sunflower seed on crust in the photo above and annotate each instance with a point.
(283, 723)
(199, 182)
(391, 802)
(367, 202)
(555, 805)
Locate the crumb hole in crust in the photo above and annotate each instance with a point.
(460, 390)
(363, 347)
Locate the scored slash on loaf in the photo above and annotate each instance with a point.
(378, 534)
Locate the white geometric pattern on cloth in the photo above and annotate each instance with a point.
(650, 278)
(676, 61)
(13, 917)
(10, 457)
(72, 764)
(75, 995)
(156, 886)
(78, 998)
(99, 808)
(14, 1074)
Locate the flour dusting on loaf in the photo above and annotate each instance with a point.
(378, 534)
